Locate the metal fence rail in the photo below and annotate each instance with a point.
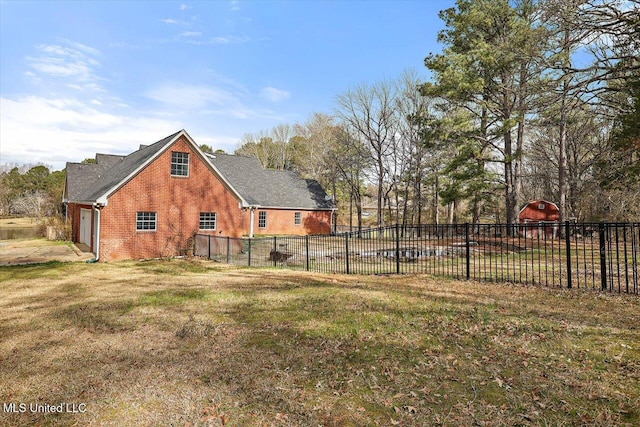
(604, 256)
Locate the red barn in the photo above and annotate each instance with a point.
(541, 219)
(152, 202)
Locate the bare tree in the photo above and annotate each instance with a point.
(351, 159)
(369, 111)
(411, 107)
(309, 147)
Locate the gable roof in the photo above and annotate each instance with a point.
(244, 176)
(532, 211)
(90, 182)
(267, 187)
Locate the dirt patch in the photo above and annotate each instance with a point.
(35, 251)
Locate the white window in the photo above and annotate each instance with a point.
(179, 164)
(297, 218)
(207, 220)
(541, 206)
(146, 221)
(262, 219)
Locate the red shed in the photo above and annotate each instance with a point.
(545, 215)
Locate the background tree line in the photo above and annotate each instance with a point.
(32, 191)
(527, 100)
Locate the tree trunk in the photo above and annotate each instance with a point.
(359, 213)
(562, 155)
(451, 208)
(436, 216)
(380, 192)
(510, 199)
(562, 160)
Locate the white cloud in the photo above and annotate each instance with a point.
(235, 5)
(226, 101)
(192, 37)
(229, 39)
(84, 48)
(274, 95)
(74, 63)
(191, 97)
(169, 21)
(54, 131)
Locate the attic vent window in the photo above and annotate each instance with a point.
(179, 164)
(541, 206)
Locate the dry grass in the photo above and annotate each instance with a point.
(18, 222)
(191, 343)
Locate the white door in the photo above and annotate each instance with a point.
(85, 226)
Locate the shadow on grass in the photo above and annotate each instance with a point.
(327, 351)
(32, 271)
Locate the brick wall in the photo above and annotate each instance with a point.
(178, 202)
(282, 222)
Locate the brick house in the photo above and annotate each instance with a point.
(151, 203)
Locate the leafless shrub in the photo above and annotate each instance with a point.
(56, 228)
(196, 329)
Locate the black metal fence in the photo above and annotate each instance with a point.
(604, 256)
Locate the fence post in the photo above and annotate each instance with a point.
(209, 250)
(249, 262)
(567, 240)
(603, 256)
(306, 243)
(346, 251)
(467, 249)
(275, 251)
(228, 248)
(397, 249)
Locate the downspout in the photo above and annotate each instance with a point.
(332, 229)
(97, 208)
(251, 218)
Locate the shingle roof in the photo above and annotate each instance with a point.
(270, 188)
(108, 160)
(88, 182)
(81, 178)
(256, 185)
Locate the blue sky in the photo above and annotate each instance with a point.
(78, 78)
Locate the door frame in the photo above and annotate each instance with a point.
(84, 235)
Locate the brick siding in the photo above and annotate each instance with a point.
(178, 202)
(281, 221)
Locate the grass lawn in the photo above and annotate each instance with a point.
(18, 223)
(199, 344)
